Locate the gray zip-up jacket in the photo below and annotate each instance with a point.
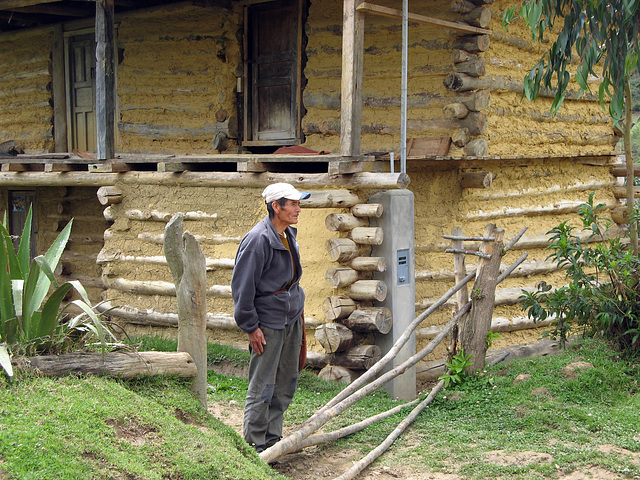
(262, 271)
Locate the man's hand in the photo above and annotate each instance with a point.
(257, 341)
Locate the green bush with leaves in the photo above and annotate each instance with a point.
(33, 319)
(603, 295)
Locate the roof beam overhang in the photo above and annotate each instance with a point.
(414, 17)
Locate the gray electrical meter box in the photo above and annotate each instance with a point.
(403, 266)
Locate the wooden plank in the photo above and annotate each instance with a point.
(38, 157)
(14, 167)
(428, 146)
(414, 17)
(58, 167)
(109, 167)
(252, 167)
(172, 167)
(105, 79)
(352, 60)
(13, 4)
(344, 167)
(59, 91)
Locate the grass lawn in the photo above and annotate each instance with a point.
(551, 424)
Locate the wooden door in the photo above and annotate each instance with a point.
(81, 92)
(273, 68)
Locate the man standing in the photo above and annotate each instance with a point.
(268, 306)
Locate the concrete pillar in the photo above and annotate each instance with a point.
(397, 222)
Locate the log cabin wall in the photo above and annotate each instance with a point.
(26, 112)
(136, 274)
(429, 63)
(518, 126)
(491, 94)
(54, 207)
(534, 193)
(176, 78)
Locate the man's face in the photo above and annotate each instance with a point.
(287, 214)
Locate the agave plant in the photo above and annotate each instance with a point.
(30, 315)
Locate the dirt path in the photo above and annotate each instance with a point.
(316, 464)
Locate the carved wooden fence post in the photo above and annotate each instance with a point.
(188, 267)
(475, 326)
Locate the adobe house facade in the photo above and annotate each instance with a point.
(188, 102)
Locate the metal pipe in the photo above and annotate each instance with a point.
(405, 61)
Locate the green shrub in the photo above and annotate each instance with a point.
(603, 295)
(32, 319)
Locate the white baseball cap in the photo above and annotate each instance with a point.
(276, 191)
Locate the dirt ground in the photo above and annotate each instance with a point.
(317, 464)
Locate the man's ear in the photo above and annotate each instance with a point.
(276, 206)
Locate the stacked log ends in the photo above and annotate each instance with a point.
(367, 235)
(334, 373)
(341, 249)
(367, 210)
(340, 277)
(370, 290)
(351, 317)
(338, 306)
(335, 337)
(343, 222)
(468, 66)
(368, 319)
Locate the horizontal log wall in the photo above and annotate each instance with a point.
(538, 194)
(26, 113)
(177, 78)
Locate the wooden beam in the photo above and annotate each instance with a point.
(59, 91)
(79, 12)
(13, 4)
(352, 59)
(105, 78)
(414, 17)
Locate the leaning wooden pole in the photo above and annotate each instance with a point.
(188, 268)
(291, 442)
(354, 471)
(353, 392)
(322, 438)
(393, 352)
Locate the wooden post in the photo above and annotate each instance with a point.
(462, 296)
(59, 95)
(105, 79)
(188, 268)
(475, 326)
(352, 56)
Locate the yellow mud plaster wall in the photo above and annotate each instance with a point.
(54, 208)
(26, 114)
(177, 78)
(429, 63)
(137, 275)
(537, 194)
(520, 127)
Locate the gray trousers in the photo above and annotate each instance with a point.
(273, 377)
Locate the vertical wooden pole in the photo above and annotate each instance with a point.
(475, 326)
(462, 296)
(188, 268)
(105, 79)
(352, 53)
(59, 95)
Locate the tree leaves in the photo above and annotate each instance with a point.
(606, 32)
